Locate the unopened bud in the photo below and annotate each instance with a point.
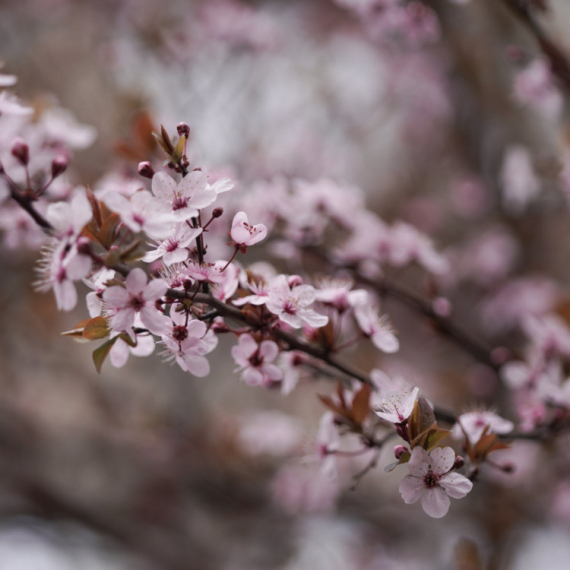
(218, 326)
(183, 130)
(400, 450)
(145, 169)
(1, 168)
(21, 151)
(459, 462)
(441, 307)
(294, 280)
(58, 165)
(217, 212)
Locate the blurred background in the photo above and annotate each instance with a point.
(449, 118)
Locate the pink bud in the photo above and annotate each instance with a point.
(145, 169)
(400, 450)
(294, 280)
(21, 151)
(441, 307)
(183, 130)
(58, 165)
(500, 355)
(217, 212)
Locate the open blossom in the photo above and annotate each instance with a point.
(120, 351)
(474, 424)
(188, 342)
(123, 303)
(376, 327)
(69, 218)
(175, 248)
(209, 272)
(431, 480)
(141, 212)
(61, 266)
(292, 305)
(242, 233)
(255, 361)
(338, 294)
(185, 198)
(397, 405)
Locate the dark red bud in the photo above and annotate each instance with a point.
(58, 165)
(217, 213)
(145, 169)
(220, 327)
(459, 462)
(183, 130)
(21, 151)
(1, 168)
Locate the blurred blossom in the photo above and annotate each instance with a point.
(519, 180)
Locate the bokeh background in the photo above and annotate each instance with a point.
(148, 467)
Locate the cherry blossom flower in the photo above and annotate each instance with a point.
(260, 290)
(120, 351)
(188, 343)
(242, 233)
(291, 364)
(123, 303)
(432, 481)
(520, 182)
(474, 424)
(377, 328)
(185, 198)
(68, 219)
(397, 405)
(292, 305)
(338, 294)
(97, 283)
(209, 272)
(141, 212)
(225, 288)
(61, 265)
(175, 248)
(255, 361)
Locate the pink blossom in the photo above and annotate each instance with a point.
(338, 294)
(292, 305)
(291, 364)
(120, 350)
(141, 212)
(474, 424)
(397, 405)
(123, 303)
(520, 182)
(377, 328)
(225, 288)
(185, 198)
(255, 361)
(242, 233)
(175, 248)
(60, 267)
(188, 342)
(69, 218)
(209, 272)
(260, 290)
(431, 480)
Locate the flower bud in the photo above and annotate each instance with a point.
(58, 165)
(294, 280)
(20, 151)
(400, 450)
(441, 307)
(459, 462)
(183, 130)
(145, 169)
(1, 168)
(218, 326)
(217, 212)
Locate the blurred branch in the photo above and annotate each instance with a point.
(559, 63)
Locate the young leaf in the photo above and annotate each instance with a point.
(101, 353)
(360, 404)
(421, 419)
(96, 328)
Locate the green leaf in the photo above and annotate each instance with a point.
(101, 353)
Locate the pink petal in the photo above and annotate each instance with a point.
(119, 353)
(116, 297)
(163, 186)
(136, 281)
(252, 377)
(442, 460)
(435, 503)
(412, 488)
(197, 329)
(419, 462)
(197, 365)
(202, 198)
(145, 346)
(155, 290)
(268, 350)
(153, 320)
(456, 485)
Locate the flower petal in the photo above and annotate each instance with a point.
(456, 485)
(435, 503)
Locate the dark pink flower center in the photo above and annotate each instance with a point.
(179, 202)
(171, 245)
(179, 333)
(137, 302)
(289, 308)
(431, 479)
